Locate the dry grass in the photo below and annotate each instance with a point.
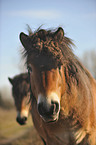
(12, 133)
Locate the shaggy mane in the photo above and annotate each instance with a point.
(57, 49)
(50, 49)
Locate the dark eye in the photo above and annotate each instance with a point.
(29, 68)
(59, 68)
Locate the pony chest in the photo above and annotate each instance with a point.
(59, 133)
(64, 134)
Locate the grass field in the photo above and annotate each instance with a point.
(11, 133)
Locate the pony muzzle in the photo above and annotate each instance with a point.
(22, 118)
(49, 108)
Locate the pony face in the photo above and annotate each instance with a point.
(22, 106)
(47, 87)
(21, 95)
(44, 60)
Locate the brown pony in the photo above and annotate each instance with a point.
(21, 95)
(64, 91)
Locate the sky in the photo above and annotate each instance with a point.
(76, 17)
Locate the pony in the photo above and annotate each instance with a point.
(21, 95)
(63, 90)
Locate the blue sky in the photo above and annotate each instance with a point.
(77, 17)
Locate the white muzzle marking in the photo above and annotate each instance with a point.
(48, 99)
(23, 113)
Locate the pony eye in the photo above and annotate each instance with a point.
(29, 68)
(59, 68)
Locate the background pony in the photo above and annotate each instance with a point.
(64, 91)
(21, 95)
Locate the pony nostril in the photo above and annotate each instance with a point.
(41, 109)
(56, 106)
(25, 118)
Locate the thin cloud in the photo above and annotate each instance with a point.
(42, 14)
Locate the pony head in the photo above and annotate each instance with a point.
(45, 63)
(21, 95)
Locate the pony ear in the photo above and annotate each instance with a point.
(59, 34)
(24, 40)
(10, 80)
